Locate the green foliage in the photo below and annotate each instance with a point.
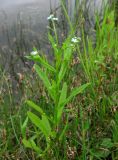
(57, 90)
(98, 64)
(116, 13)
(64, 119)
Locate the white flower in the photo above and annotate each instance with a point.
(55, 19)
(34, 53)
(75, 39)
(51, 17)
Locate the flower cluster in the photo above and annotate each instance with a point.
(52, 18)
(75, 39)
(34, 53)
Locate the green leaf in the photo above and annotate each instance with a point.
(65, 63)
(43, 124)
(44, 78)
(35, 120)
(31, 144)
(34, 106)
(107, 143)
(38, 58)
(99, 153)
(46, 123)
(23, 127)
(61, 101)
(76, 91)
(62, 71)
(63, 94)
(67, 53)
(86, 125)
(53, 44)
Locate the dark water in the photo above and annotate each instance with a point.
(32, 12)
(23, 24)
(36, 9)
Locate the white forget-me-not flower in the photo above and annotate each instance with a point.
(75, 39)
(34, 53)
(51, 17)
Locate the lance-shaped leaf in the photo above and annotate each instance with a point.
(75, 92)
(44, 78)
(36, 107)
(43, 124)
(62, 99)
(53, 44)
(23, 127)
(65, 63)
(38, 58)
(31, 144)
(62, 71)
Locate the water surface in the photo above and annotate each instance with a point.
(23, 24)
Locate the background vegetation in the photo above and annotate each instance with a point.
(69, 104)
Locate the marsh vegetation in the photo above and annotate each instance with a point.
(61, 103)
